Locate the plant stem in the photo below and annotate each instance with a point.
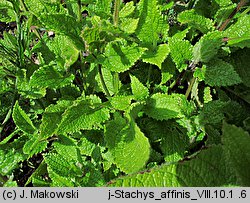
(116, 12)
(116, 22)
(79, 10)
(190, 87)
(116, 82)
(23, 5)
(103, 81)
(246, 11)
(227, 21)
(149, 75)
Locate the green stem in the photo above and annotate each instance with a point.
(116, 22)
(116, 12)
(103, 81)
(116, 82)
(79, 10)
(20, 35)
(246, 11)
(149, 75)
(190, 87)
(23, 5)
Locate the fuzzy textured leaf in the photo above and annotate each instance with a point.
(62, 23)
(207, 169)
(236, 145)
(241, 60)
(138, 89)
(49, 77)
(52, 117)
(156, 57)
(22, 120)
(127, 144)
(34, 146)
(181, 52)
(61, 166)
(207, 47)
(120, 58)
(127, 10)
(121, 102)
(85, 113)
(239, 33)
(129, 25)
(195, 20)
(221, 73)
(151, 23)
(9, 160)
(164, 107)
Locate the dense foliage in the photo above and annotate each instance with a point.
(124, 93)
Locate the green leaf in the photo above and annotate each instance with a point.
(151, 23)
(67, 148)
(207, 169)
(129, 25)
(9, 160)
(223, 2)
(50, 77)
(7, 13)
(42, 47)
(25, 89)
(62, 24)
(127, 10)
(195, 20)
(85, 114)
(65, 50)
(128, 145)
(121, 103)
(86, 147)
(207, 47)
(239, 33)
(52, 117)
(37, 7)
(156, 57)
(139, 91)
(164, 107)
(22, 120)
(10, 183)
(181, 52)
(34, 146)
(108, 78)
(60, 181)
(220, 73)
(167, 70)
(172, 138)
(59, 165)
(207, 95)
(236, 143)
(241, 60)
(101, 8)
(213, 112)
(223, 13)
(120, 57)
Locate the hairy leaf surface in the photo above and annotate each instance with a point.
(164, 107)
(236, 145)
(22, 120)
(85, 113)
(158, 56)
(120, 58)
(206, 169)
(125, 142)
(195, 20)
